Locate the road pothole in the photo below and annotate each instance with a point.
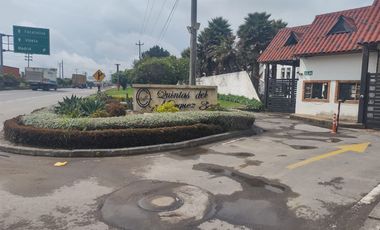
(262, 204)
(164, 205)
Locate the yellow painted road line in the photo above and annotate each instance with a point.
(358, 148)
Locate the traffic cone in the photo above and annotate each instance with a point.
(334, 128)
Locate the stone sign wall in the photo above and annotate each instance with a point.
(147, 97)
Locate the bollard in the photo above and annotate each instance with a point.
(334, 128)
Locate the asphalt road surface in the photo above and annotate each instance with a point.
(16, 102)
(293, 176)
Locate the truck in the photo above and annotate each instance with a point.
(41, 78)
(79, 81)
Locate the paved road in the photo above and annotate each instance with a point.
(16, 102)
(246, 183)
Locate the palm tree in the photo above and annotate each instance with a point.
(255, 35)
(216, 46)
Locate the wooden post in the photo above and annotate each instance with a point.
(266, 93)
(364, 87)
(274, 71)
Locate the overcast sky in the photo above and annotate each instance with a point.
(92, 34)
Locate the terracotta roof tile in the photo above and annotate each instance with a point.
(315, 39)
(318, 41)
(277, 51)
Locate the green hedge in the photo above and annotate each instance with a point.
(16, 132)
(227, 120)
(250, 104)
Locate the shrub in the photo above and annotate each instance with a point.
(227, 120)
(75, 139)
(115, 109)
(250, 104)
(119, 98)
(89, 106)
(75, 107)
(100, 114)
(70, 106)
(216, 107)
(101, 96)
(167, 107)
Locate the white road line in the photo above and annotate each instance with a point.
(370, 197)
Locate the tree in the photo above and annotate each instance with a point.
(216, 48)
(122, 78)
(185, 53)
(255, 35)
(157, 52)
(169, 70)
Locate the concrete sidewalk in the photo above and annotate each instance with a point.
(373, 221)
(325, 121)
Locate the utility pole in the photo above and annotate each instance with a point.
(193, 42)
(63, 75)
(118, 76)
(28, 58)
(139, 44)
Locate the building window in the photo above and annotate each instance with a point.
(348, 91)
(283, 73)
(343, 25)
(292, 40)
(316, 91)
(288, 72)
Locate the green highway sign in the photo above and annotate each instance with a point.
(31, 40)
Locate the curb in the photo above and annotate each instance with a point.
(326, 123)
(31, 151)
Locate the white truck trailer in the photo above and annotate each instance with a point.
(41, 78)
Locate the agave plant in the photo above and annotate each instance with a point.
(70, 106)
(90, 106)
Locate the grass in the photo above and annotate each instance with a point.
(230, 105)
(119, 93)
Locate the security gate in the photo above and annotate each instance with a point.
(281, 95)
(373, 104)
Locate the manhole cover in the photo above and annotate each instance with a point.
(164, 205)
(160, 203)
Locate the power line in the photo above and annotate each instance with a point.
(167, 23)
(168, 20)
(159, 16)
(145, 17)
(149, 16)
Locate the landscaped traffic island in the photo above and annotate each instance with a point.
(102, 123)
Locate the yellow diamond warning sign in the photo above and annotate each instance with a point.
(99, 76)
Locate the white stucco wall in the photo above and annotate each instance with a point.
(238, 84)
(332, 68)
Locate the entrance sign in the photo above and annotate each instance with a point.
(31, 40)
(99, 76)
(147, 97)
